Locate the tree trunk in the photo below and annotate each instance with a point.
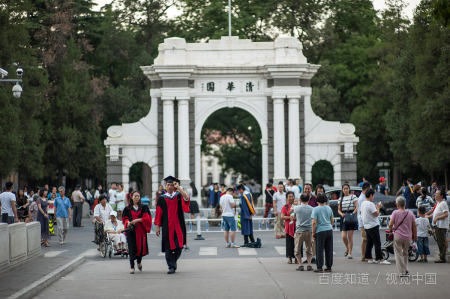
(60, 175)
(396, 179)
(149, 41)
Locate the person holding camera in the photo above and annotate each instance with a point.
(138, 222)
(170, 216)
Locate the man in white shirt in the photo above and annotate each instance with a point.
(361, 199)
(440, 222)
(227, 204)
(112, 196)
(8, 203)
(279, 200)
(102, 210)
(296, 190)
(369, 215)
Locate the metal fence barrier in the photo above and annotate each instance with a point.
(261, 227)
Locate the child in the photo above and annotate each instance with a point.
(422, 233)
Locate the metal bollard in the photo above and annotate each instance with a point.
(199, 229)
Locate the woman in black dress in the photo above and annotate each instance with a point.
(42, 216)
(22, 203)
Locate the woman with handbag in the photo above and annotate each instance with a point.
(138, 222)
(403, 226)
(348, 209)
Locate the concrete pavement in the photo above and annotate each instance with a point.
(236, 278)
(210, 270)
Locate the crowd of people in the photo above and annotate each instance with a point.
(302, 217)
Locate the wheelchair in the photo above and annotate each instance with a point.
(105, 244)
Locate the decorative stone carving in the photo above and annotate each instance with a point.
(348, 150)
(113, 153)
(114, 131)
(347, 129)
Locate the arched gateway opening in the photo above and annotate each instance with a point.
(231, 147)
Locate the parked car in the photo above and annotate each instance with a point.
(334, 193)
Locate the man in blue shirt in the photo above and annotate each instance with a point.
(63, 214)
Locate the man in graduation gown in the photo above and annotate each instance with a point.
(214, 196)
(247, 212)
(170, 216)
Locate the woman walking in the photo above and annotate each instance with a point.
(289, 227)
(347, 205)
(403, 225)
(42, 216)
(138, 223)
(440, 222)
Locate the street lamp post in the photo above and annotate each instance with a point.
(17, 89)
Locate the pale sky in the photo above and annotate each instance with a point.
(378, 4)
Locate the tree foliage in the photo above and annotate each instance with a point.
(238, 136)
(379, 71)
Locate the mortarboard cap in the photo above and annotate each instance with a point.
(171, 179)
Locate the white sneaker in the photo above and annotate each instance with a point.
(372, 262)
(234, 245)
(228, 245)
(385, 263)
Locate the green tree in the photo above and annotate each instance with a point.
(204, 19)
(430, 111)
(418, 120)
(238, 135)
(369, 118)
(341, 45)
(20, 117)
(72, 133)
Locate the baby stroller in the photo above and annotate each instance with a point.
(388, 248)
(105, 244)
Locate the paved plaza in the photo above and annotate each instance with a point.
(210, 270)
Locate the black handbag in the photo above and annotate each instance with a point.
(350, 218)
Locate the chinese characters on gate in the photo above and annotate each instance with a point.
(210, 86)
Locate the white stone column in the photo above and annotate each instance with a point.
(265, 163)
(198, 167)
(294, 139)
(183, 142)
(169, 143)
(279, 152)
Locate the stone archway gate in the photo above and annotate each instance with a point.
(270, 80)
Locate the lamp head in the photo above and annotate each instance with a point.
(17, 90)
